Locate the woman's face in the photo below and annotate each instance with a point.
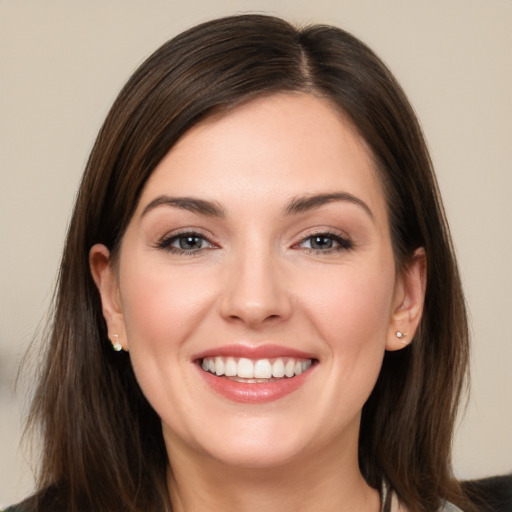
(255, 288)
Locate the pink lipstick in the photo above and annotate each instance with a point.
(254, 374)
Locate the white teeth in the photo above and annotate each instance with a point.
(245, 368)
(278, 368)
(263, 369)
(289, 369)
(255, 369)
(231, 368)
(219, 366)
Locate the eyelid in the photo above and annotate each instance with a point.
(165, 241)
(343, 240)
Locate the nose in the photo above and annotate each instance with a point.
(255, 290)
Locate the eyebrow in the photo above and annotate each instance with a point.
(297, 205)
(192, 204)
(309, 202)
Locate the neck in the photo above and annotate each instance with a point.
(327, 483)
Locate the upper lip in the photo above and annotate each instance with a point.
(260, 351)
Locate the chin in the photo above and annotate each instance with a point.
(255, 455)
(251, 443)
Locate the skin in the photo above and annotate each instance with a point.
(253, 280)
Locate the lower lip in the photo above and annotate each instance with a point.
(258, 392)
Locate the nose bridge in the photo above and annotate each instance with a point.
(254, 290)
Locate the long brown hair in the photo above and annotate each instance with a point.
(102, 442)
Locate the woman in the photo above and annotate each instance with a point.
(259, 235)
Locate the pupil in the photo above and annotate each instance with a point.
(321, 242)
(190, 242)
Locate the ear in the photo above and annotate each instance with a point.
(104, 275)
(408, 302)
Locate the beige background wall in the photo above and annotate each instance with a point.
(62, 63)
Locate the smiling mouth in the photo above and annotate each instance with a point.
(253, 371)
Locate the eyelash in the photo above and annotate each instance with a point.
(166, 242)
(343, 243)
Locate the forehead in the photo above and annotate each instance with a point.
(274, 146)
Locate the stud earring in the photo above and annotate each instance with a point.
(401, 335)
(116, 345)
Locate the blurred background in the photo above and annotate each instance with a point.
(61, 66)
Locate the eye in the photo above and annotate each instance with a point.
(325, 243)
(185, 243)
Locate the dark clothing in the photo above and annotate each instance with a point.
(489, 494)
(492, 494)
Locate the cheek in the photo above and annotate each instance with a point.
(353, 319)
(354, 327)
(354, 306)
(161, 307)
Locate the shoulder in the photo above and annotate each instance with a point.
(449, 507)
(20, 507)
(52, 499)
(16, 508)
(493, 494)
